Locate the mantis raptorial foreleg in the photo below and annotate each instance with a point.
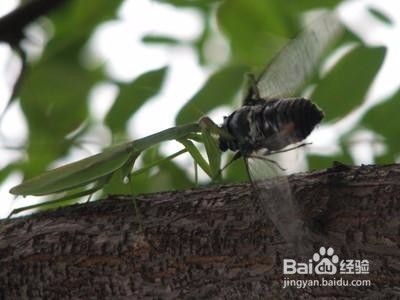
(195, 153)
(208, 128)
(207, 124)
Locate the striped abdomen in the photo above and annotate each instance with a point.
(270, 125)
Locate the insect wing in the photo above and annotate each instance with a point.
(295, 63)
(275, 199)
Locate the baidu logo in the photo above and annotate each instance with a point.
(325, 262)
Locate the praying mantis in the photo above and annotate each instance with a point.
(97, 170)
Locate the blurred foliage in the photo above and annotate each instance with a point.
(55, 90)
(345, 86)
(221, 88)
(382, 120)
(380, 16)
(143, 88)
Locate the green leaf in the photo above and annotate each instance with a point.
(318, 162)
(84, 17)
(55, 89)
(6, 171)
(380, 15)
(132, 96)
(255, 29)
(53, 99)
(382, 119)
(54, 96)
(160, 39)
(236, 172)
(345, 86)
(170, 176)
(219, 89)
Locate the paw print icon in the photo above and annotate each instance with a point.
(326, 261)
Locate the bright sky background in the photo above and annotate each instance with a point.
(127, 58)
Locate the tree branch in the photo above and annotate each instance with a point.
(13, 24)
(207, 243)
(12, 28)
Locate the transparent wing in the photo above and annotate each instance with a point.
(275, 199)
(295, 63)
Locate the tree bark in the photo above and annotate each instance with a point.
(206, 243)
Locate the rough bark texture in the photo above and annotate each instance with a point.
(207, 243)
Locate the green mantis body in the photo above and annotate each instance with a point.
(98, 169)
